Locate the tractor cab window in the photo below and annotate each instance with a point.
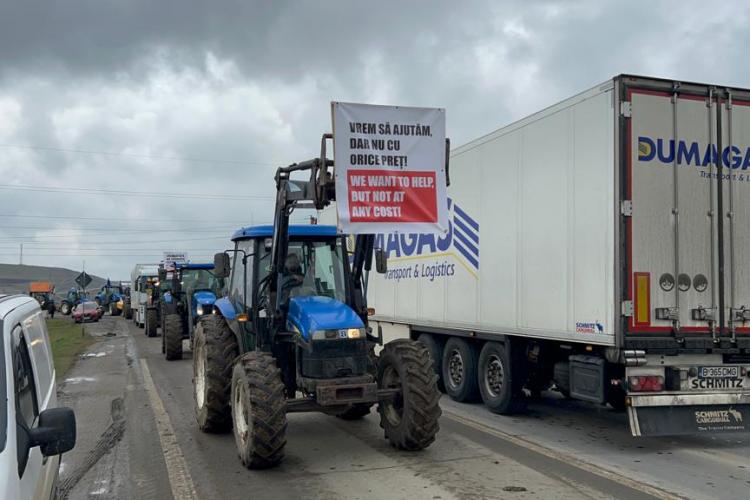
(314, 268)
(201, 279)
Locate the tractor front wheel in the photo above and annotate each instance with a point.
(172, 337)
(258, 410)
(410, 420)
(215, 348)
(65, 308)
(151, 323)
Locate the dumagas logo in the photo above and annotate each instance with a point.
(460, 241)
(691, 153)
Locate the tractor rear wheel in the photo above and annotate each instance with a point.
(172, 337)
(410, 420)
(151, 323)
(436, 352)
(127, 311)
(355, 412)
(214, 349)
(258, 410)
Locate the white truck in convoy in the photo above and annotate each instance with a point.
(597, 246)
(139, 296)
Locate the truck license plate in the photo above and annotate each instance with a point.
(719, 372)
(718, 378)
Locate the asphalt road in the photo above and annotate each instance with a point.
(138, 439)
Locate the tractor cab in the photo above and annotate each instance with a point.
(315, 296)
(195, 285)
(189, 293)
(108, 297)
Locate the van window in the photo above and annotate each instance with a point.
(35, 331)
(27, 407)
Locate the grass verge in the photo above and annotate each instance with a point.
(67, 343)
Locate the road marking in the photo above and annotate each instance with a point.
(177, 468)
(723, 457)
(569, 459)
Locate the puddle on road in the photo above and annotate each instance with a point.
(94, 355)
(78, 380)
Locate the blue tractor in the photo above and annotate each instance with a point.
(192, 295)
(108, 297)
(292, 335)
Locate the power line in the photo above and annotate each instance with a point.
(194, 229)
(122, 219)
(152, 194)
(154, 254)
(30, 238)
(145, 242)
(134, 155)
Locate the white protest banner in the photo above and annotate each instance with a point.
(171, 258)
(390, 169)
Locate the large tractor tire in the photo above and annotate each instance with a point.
(214, 350)
(258, 410)
(410, 421)
(172, 337)
(501, 379)
(65, 308)
(127, 311)
(435, 348)
(151, 323)
(355, 412)
(459, 369)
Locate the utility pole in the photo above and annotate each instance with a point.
(20, 261)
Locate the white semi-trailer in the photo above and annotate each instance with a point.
(599, 245)
(139, 293)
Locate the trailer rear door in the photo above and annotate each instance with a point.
(686, 211)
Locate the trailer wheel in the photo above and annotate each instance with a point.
(355, 412)
(436, 353)
(460, 369)
(215, 348)
(410, 420)
(65, 308)
(172, 337)
(258, 410)
(151, 323)
(499, 382)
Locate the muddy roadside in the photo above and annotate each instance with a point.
(101, 387)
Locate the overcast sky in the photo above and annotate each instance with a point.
(209, 97)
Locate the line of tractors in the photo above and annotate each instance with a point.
(113, 298)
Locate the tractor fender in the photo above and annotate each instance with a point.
(225, 308)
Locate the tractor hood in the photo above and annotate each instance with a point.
(204, 297)
(313, 313)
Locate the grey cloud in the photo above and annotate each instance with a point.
(251, 81)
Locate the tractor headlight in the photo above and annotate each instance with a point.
(343, 333)
(199, 310)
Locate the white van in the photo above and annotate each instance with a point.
(33, 431)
